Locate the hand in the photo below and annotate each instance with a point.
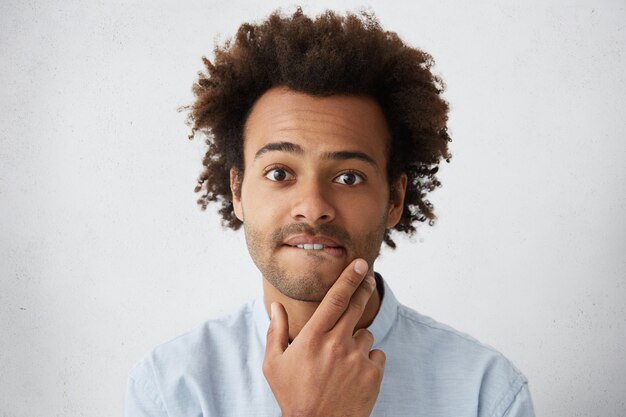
(327, 370)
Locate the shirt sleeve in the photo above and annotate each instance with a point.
(522, 405)
(142, 399)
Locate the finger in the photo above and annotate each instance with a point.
(378, 357)
(364, 339)
(337, 298)
(356, 307)
(278, 332)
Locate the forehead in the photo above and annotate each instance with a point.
(317, 124)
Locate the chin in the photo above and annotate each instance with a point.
(311, 286)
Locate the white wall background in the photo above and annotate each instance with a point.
(104, 253)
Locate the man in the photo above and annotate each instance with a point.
(324, 135)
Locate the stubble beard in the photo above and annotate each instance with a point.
(308, 285)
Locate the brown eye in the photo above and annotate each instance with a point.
(278, 175)
(349, 178)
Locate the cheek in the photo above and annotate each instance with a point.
(260, 205)
(364, 212)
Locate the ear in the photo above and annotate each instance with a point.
(235, 190)
(396, 202)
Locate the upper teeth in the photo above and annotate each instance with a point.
(309, 246)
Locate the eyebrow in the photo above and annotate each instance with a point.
(345, 155)
(279, 146)
(297, 149)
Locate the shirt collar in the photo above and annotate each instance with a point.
(387, 312)
(380, 327)
(261, 319)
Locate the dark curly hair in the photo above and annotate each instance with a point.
(331, 55)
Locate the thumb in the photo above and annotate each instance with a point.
(278, 332)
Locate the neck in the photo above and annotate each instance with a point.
(300, 312)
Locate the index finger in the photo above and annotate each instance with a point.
(337, 299)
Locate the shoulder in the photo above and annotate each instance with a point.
(442, 336)
(213, 339)
(204, 371)
(456, 363)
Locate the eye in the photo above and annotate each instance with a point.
(349, 178)
(278, 175)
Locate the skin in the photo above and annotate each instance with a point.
(315, 172)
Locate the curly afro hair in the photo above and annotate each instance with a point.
(329, 55)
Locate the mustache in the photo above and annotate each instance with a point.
(336, 233)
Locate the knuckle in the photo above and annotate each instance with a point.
(366, 334)
(267, 368)
(336, 349)
(357, 305)
(356, 359)
(309, 345)
(271, 331)
(337, 301)
(353, 279)
(373, 375)
(378, 358)
(367, 286)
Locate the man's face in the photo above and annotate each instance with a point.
(314, 194)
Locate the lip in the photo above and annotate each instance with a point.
(312, 239)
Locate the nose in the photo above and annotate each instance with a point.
(311, 203)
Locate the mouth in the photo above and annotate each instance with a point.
(316, 249)
(315, 244)
(312, 246)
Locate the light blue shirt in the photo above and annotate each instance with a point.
(431, 370)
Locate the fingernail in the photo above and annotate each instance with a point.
(360, 267)
(272, 311)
